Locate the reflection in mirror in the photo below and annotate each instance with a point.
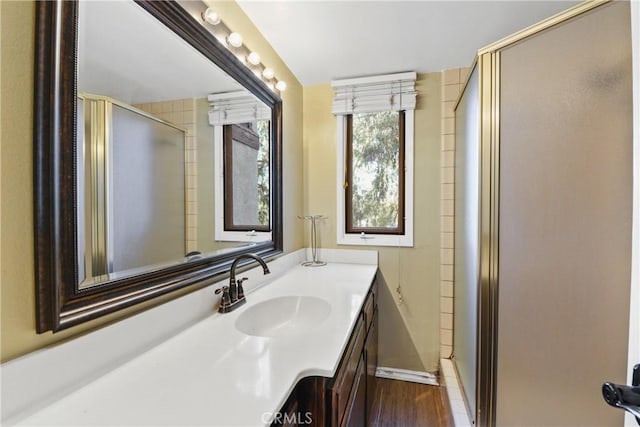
(131, 182)
(242, 140)
(246, 162)
(153, 168)
(124, 156)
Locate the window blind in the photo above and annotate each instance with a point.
(236, 107)
(390, 92)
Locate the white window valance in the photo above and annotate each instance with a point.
(236, 107)
(389, 92)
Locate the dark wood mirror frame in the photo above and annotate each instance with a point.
(60, 302)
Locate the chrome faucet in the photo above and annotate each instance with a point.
(233, 295)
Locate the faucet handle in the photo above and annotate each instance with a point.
(226, 298)
(240, 288)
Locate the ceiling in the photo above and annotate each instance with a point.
(325, 40)
(126, 54)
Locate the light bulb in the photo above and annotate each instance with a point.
(253, 58)
(235, 39)
(281, 86)
(268, 73)
(211, 16)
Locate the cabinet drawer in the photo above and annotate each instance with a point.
(344, 379)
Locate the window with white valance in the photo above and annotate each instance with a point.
(375, 122)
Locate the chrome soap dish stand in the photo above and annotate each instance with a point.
(314, 241)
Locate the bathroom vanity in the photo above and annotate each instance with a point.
(305, 341)
(346, 398)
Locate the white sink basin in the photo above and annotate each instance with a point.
(288, 315)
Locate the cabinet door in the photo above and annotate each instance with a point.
(355, 415)
(345, 378)
(371, 358)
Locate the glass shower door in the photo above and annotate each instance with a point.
(467, 238)
(565, 220)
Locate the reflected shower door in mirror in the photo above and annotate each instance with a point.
(130, 190)
(150, 111)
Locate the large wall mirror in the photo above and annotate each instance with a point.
(157, 157)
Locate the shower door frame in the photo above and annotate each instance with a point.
(488, 63)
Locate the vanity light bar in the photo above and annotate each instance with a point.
(234, 42)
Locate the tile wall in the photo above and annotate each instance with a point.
(452, 83)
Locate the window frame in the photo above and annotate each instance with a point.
(366, 236)
(349, 227)
(227, 149)
(220, 234)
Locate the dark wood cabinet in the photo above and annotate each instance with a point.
(345, 399)
(355, 414)
(340, 387)
(291, 414)
(371, 360)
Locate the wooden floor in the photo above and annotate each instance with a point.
(405, 404)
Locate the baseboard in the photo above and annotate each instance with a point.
(406, 375)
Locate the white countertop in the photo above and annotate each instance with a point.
(212, 374)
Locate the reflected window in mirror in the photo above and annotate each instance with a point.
(242, 178)
(246, 176)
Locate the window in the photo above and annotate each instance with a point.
(375, 160)
(246, 176)
(374, 184)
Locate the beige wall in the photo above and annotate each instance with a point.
(16, 262)
(409, 320)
